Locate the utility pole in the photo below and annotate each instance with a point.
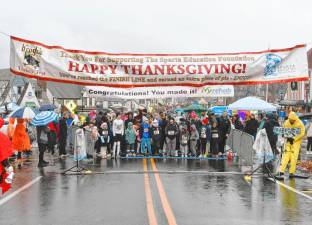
(266, 92)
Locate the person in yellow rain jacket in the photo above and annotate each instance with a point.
(292, 147)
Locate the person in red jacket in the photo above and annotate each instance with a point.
(6, 170)
(52, 137)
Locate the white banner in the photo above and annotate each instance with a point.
(54, 63)
(160, 92)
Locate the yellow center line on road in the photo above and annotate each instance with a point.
(149, 200)
(163, 196)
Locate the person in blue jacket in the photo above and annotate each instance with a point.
(145, 137)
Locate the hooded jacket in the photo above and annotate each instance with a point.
(105, 135)
(171, 131)
(194, 133)
(145, 131)
(156, 133)
(297, 124)
(130, 134)
(118, 127)
(184, 136)
(205, 132)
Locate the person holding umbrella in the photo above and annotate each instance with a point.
(63, 135)
(40, 121)
(20, 139)
(42, 139)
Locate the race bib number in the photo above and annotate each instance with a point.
(203, 133)
(215, 135)
(171, 132)
(156, 132)
(145, 130)
(105, 133)
(287, 132)
(184, 140)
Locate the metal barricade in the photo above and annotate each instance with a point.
(241, 143)
(90, 143)
(71, 138)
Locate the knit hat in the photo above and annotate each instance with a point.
(205, 121)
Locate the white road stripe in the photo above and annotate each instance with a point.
(13, 194)
(292, 189)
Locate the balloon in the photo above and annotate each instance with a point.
(193, 115)
(242, 114)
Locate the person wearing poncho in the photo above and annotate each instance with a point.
(6, 171)
(291, 152)
(20, 140)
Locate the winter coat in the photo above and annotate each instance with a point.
(20, 140)
(130, 134)
(42, 134)
(145, 131)
(156, 134)
(118, 127)
(63, 130)
(105, 136)
(194, 136)
(6, 149)
(128, 121)
(184, 137)
(171, 131)
(215, 134)
(205, 132)
(52, 135)
(297, 124)
(269, 126)
(224, 126)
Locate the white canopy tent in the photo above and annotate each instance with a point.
(252, 103)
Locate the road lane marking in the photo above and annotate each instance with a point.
(166, 172)
(291, 189)
(13, 194)
(163, 197)
(149, 199)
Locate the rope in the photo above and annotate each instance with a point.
(5, 34)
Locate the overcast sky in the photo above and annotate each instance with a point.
(162, 26)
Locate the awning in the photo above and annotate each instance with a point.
(252, 103)
(64, 91)
(292, 102)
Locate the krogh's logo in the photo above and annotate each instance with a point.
(272, 61)
(32, 55)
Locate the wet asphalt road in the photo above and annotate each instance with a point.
(194, 194)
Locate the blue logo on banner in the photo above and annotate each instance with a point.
(272, 61)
